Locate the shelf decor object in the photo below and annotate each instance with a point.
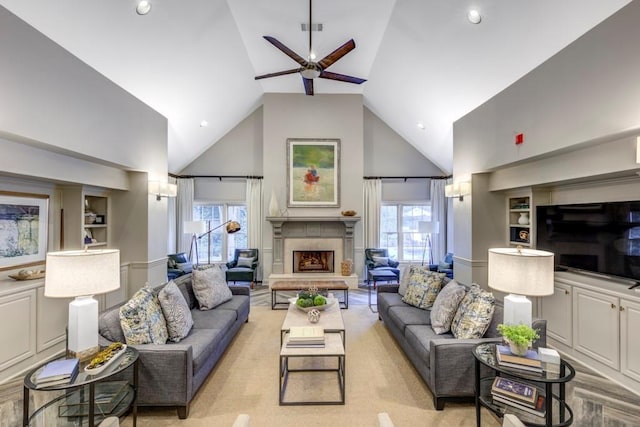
(82, 274)
(520, 273)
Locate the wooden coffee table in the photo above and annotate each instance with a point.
(299, 285)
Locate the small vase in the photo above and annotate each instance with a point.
(314, 316)
(524, 218)
(518, 349)
(274, 209)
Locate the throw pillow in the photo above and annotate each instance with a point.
(210, 287)
(474, 314)
(404, 280)
(415, 295)
(244, 262)
(141, 319)
(444, 266)
(176, 311)
(445, 306)
(380, 261)
(430, 279)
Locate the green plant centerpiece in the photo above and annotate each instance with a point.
(519, 337)
(311, 298)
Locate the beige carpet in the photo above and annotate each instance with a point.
(378, 379)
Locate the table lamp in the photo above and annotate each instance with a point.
(520, 273)
(82, 274)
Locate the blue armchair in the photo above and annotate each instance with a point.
(243, 267)
(378, 259)
(445, 266)
(177, 265)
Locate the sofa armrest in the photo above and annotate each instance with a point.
(240, 289)
(389, 288)
(452, 365)
(393, 263)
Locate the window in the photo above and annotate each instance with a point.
(219, 246)
(399, 230)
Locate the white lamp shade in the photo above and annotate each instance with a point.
(521, 271)
(76, 273)
(194, 227)
(428, 227)
(163, 189)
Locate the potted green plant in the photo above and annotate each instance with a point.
(519, 337)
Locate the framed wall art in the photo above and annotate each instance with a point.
(313, 172)
(24, 219)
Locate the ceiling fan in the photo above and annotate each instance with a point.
(309, 69)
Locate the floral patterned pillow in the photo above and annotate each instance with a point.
(141, 319)
(445, 306)
(423, 288)
(176, 311)
(474, 314)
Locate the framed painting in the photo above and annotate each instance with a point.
(313, 172)
(24, 219)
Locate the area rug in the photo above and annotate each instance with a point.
(378, 379)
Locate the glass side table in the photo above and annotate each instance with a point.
(557, 412)
(89, 398)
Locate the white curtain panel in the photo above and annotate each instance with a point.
(172, 232)
(371, 215)
(254, 199)
(184, 212)
(439, 213)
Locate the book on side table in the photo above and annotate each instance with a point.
(523, 393)
(61, 371)
(529, 362)
(306, 336)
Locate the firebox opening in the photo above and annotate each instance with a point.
(313, 262)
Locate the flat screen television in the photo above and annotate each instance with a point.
(602, 238)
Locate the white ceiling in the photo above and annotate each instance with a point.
(195, 60)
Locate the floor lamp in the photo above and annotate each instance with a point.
(520, 273)
(194, 228)
(232, 227)
(82, 274)
(427, 228)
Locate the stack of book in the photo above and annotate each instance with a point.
(518, 395)
(529, 362)
(306, 336)
(58, 372)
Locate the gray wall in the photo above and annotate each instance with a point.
(579, 113)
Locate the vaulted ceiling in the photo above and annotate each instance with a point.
(195, 60)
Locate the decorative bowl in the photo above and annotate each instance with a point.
(349, 213)
(114, 355)
(330, 302)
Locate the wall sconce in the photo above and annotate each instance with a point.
(458, 189)
(162, 189)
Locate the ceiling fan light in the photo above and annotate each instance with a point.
(310, 73)
(143, 7)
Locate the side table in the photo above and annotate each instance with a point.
(79, 406)
(557, 411)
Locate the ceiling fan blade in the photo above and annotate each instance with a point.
(341, 77)
(279, 73)
(337, 54)
(308, 86)
(291, 54)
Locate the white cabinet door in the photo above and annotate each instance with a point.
(630, 345)
(557, 310)
(596, 327)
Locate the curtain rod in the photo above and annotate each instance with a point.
(220, 177)
(405, 178)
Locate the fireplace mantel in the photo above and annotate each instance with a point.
(318, 227)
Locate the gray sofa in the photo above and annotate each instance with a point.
(171, 374)
(444, 362)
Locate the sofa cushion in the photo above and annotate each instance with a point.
(176, 311)
(203, 343)
(236, 304)
(141, 319)
(213, 319)
(109, 325)
(419, 338)
(389, 299)
(401, 316)
(423, 288)
(474, 313)
(445, 306)
(210, 287)
(245, 262)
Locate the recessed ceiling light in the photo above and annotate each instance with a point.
(420, 125)
(204, 124)
(474, 16)
(143, 7)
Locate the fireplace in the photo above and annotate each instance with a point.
(313, 261)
